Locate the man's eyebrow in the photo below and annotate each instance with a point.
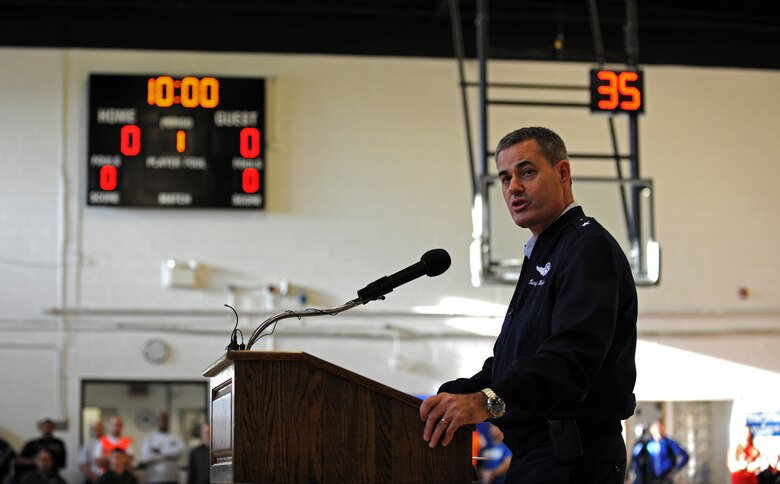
(519, 164)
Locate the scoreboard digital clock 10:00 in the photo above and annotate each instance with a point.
(176, 141)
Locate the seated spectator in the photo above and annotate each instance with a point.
(44, 472)
(118, 469)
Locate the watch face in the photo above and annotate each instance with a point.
(496, 406)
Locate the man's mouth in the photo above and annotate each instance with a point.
(519, 205)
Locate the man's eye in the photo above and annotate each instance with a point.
(506, 179)
(527, 172)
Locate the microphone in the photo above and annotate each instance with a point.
(432, 263)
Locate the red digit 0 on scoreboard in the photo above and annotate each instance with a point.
(130, 140)
(108, 178)
(249, 143)
(250, 180)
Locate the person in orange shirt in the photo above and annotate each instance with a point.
(110, 441)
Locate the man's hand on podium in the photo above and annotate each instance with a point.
(444, 413)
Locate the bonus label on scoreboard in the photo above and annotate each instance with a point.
(176, 141)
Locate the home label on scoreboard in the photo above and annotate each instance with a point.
(176, 141)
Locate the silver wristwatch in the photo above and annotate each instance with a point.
(495, 405)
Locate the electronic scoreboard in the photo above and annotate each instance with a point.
(176, 141)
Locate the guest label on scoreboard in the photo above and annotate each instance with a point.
(176, 141)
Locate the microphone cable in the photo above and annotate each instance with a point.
(233, 345)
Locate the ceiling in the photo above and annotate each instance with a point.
(744, 33)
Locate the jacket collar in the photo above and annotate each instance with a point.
(572, 212)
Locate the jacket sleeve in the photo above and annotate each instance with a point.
(470, 385)
(681, 457)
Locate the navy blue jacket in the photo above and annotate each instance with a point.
(567, 345)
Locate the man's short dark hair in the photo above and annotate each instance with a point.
(550, 144)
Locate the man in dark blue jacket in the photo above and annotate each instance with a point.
(658, 458)
(562, 373)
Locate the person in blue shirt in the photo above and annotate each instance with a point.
(497, 456)
(657, 459)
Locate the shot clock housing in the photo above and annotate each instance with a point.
(617, 91)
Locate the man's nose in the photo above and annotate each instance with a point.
(516, 185)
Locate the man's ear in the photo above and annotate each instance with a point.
(564, 171)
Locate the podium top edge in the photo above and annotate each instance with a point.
(229, 358)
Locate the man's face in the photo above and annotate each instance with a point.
(162, 422)
(115, 426)
(47, 428)
(118, 462)
(496, 434)
(657, 430)
(535, 192)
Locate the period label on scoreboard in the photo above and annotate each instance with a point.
(176, 141)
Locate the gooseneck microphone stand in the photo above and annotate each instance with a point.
(433, 263)
(258, 332)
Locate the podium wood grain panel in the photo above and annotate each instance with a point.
(298, 419)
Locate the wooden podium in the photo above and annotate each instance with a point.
(292, 417)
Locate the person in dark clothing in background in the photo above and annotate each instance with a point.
(7, 456)
(658, 458)
(44, 471)
(562, 373)
(47, 440)
(200, 458)
(118, 469)
(641, 471)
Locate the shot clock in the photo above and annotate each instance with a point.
(176, 141)
(616, 91)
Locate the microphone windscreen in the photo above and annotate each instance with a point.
(436, 261)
